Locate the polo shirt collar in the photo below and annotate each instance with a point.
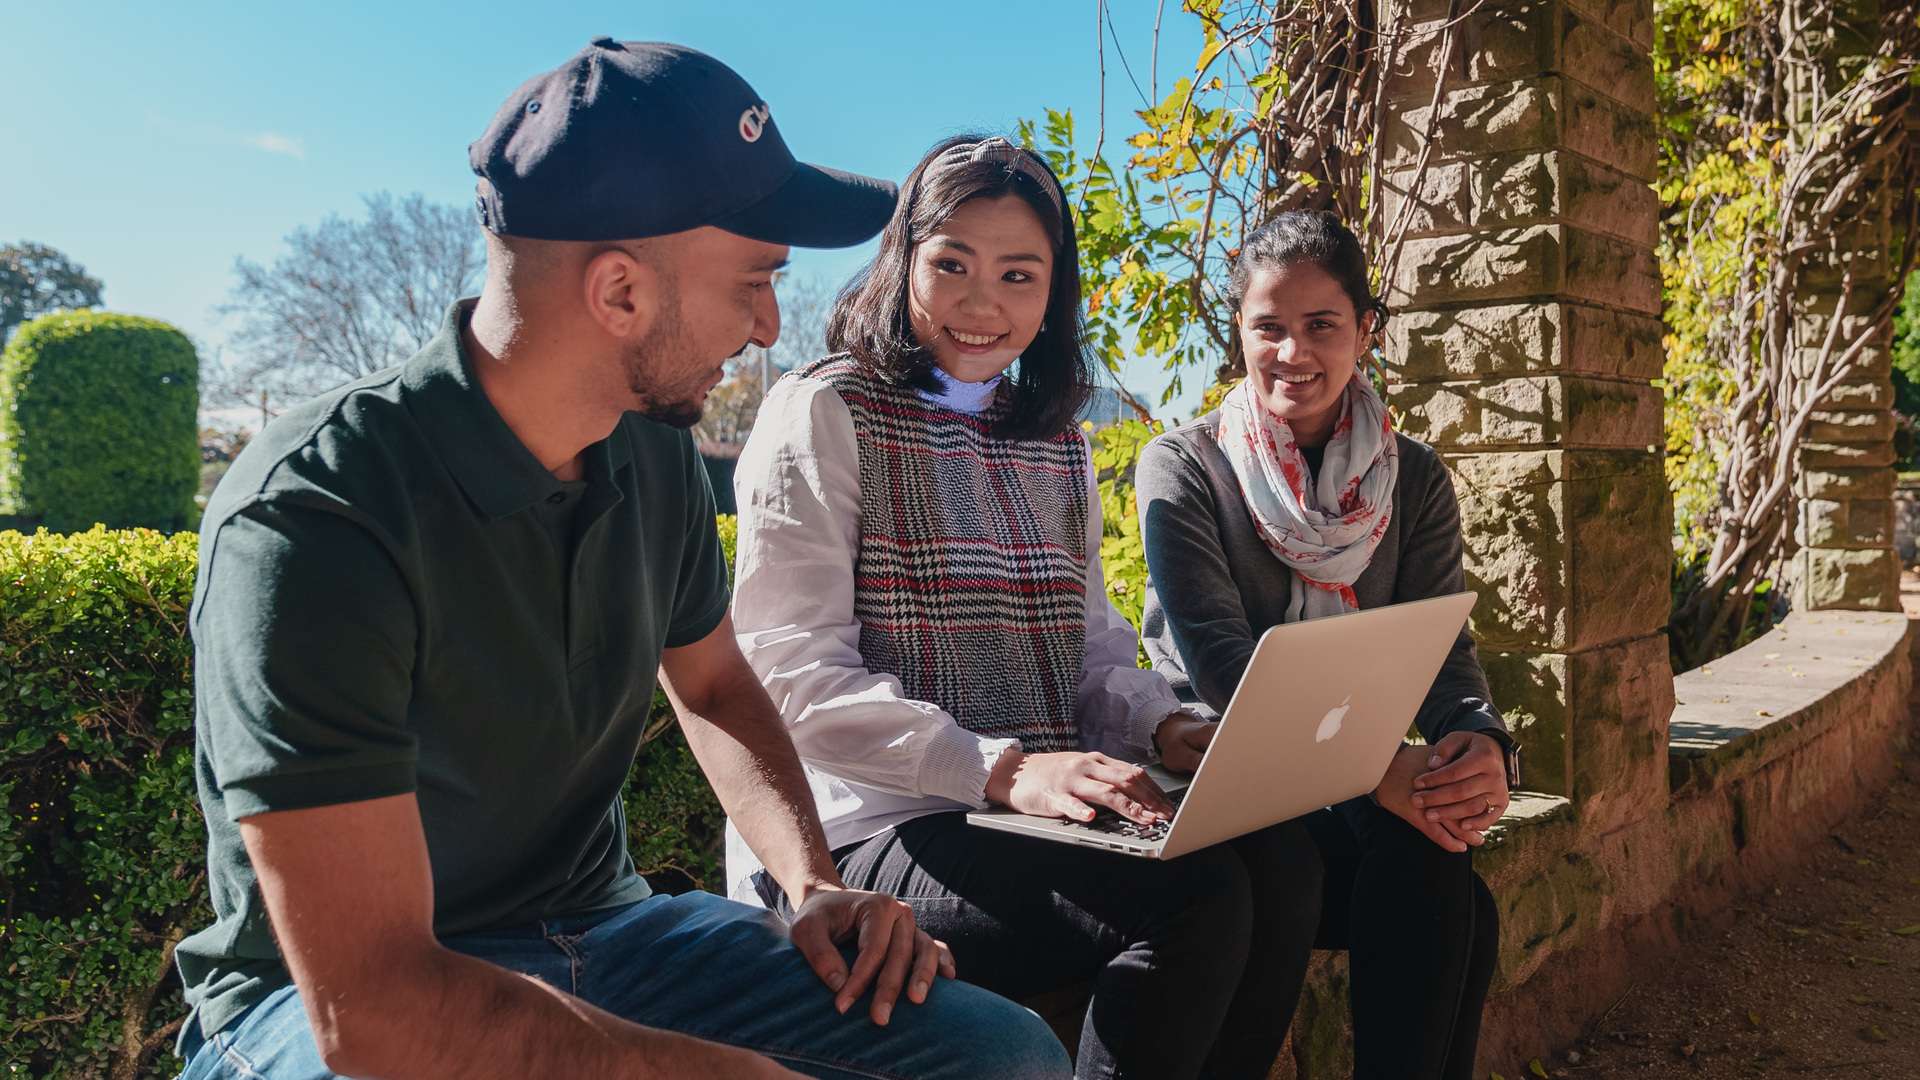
(489, 462)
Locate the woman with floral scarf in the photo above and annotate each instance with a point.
(1294, 500)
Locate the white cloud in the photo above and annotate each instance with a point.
(276, 143)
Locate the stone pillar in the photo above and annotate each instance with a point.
(1524, 345)
(1847, 559)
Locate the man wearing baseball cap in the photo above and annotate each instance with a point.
(430, 612)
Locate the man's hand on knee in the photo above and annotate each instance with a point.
(892, 950)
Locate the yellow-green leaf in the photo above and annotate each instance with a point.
(1207, 54)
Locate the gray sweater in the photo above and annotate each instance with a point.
(1214, 587)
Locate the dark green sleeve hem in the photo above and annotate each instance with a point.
(692, 630)
(304, 790)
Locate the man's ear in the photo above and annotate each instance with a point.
(622, 293)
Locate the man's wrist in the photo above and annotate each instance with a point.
(813, 884)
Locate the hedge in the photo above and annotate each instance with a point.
(102, 846)
(98, 422)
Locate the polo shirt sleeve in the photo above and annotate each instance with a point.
(701, 594)
(304, 640)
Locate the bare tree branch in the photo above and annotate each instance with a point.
(348, 298)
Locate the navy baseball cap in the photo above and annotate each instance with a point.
(638, 138)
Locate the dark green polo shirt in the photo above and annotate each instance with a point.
(394, 596)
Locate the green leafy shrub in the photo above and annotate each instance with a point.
(98, 422)
(1123, 556)
(1906, 371)
(102, 848)
(102, 845)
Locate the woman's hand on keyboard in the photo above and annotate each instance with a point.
(1070, 785)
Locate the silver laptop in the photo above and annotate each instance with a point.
(1315, 721)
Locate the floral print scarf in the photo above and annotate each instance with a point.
(1324, 527)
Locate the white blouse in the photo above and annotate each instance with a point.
(874, 757)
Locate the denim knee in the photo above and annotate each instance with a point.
(992, 1036)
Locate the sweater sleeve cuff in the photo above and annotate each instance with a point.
(1476, 715)
(1147, 720)
(957, 763)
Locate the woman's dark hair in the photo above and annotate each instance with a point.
(871, 320)
(1304, 236)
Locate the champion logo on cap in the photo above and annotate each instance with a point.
(754, 121)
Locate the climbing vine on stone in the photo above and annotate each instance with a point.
(1783, 142)
(1280, 110)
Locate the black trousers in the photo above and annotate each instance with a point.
(1422, 936)
(1197, 963)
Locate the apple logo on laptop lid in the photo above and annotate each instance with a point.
(1330, 723)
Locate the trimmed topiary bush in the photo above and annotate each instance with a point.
(98, 423)
(102, 846)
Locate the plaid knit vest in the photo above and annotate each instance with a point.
(970, 583)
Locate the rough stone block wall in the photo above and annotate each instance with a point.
(1906, 519)
(1524, 345)
(1845, 527)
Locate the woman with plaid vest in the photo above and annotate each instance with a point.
(919, 588)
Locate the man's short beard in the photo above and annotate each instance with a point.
(679, 414)
(666, 343)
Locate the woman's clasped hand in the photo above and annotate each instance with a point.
(1452, 791)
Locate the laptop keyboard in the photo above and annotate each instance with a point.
(1107, 821)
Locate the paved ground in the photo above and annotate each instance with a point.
(1818, 978)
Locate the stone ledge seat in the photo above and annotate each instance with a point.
(1739, 713)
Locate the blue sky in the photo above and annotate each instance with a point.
(155, 143)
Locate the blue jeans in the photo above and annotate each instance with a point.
(706, 967)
